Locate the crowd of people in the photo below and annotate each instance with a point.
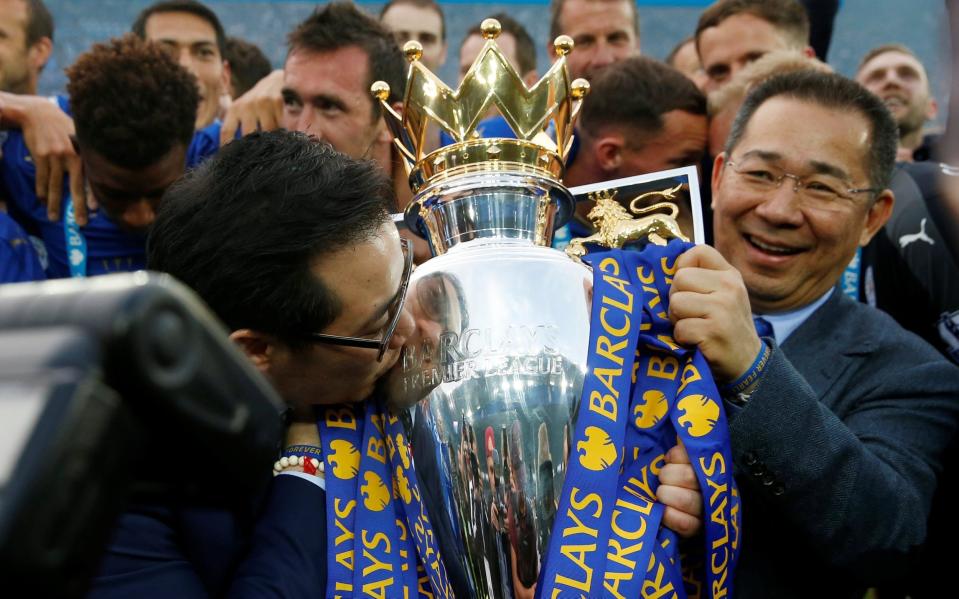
(179, 149)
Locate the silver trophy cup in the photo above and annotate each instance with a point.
(498, 359)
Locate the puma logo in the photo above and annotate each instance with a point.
(920, 236)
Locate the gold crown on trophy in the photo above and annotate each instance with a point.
(491, 81)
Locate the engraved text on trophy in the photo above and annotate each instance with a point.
(478, 353)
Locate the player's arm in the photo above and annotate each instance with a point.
(49, 134)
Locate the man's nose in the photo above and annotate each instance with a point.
(603, 55)
(782, 206)
(891, 80)
(139, 215)
(310, 124)
(734, 68)
(185, 59)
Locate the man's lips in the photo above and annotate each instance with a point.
(894, 100)
(774, 248)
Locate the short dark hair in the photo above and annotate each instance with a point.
(883, 49)
(525, 48)
(432, 4)
(635, 93)
(789, 16)
(340, 25)
(248, 64)
(131, 101)
(829, 91)
(188, 6)
(244, 229)
(39, 22)
(556, 9)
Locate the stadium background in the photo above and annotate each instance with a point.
(861, 24)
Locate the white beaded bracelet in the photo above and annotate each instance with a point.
(307, 464)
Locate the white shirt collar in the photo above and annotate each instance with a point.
(784, 323)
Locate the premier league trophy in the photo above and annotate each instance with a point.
(498, 363)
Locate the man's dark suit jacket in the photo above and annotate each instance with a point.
(274, 549)
(837, 453)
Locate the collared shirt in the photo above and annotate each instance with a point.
(316, 480)
(784, 323)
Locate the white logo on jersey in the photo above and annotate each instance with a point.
(920, 236)
(76, 257)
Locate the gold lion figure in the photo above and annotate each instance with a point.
(615, 226)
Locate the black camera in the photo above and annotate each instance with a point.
(110, 388)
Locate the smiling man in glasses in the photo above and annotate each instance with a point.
(838, 417)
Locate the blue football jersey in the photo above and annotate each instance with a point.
(18, 259)
(108, 248)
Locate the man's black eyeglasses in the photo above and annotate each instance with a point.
(394, 311)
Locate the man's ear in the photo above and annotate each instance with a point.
(809, 52)
(719, 165)
(259, 347)
(39, 53)
(877, 216)
(608, 152)
(932, 109)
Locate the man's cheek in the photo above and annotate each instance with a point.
(288, 119)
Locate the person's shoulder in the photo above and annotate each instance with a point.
(19, 260)
(912, 228)
(929, 175)
(12, 234)
(877, 334)
(9, 229)
(928, 150)
(926, 174)
(13, 148)
(878, 356)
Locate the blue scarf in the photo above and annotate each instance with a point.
(382, 541)
(642, 392)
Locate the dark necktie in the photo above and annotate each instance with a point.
(763, 328)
